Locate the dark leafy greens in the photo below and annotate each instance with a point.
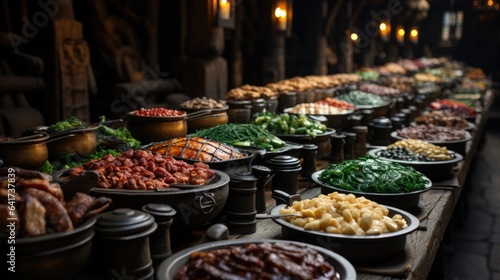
(370, 174)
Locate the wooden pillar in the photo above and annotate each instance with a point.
(273, 60)
(318, 43)
(68, 88)
(234, 52)
(204, 71)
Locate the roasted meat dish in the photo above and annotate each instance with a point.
(196, 148)
(37, 205)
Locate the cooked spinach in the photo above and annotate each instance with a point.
(370, 174)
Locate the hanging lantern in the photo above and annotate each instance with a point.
(385, 30)
(282, 16)
(414, 35)
(400, 34)
(225, 13)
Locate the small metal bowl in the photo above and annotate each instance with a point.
(83, 143)
(61, 255)
(216, 117)
(335, 121)
(434, 170)
(28, 154)
(170, 267)
(459, 146)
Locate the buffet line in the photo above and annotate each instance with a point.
(344, 176)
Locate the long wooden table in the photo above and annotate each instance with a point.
(439, 202)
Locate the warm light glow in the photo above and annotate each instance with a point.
(383, 26)
(497, 6)
(225, 9)
(490, 3)
(354, 37)
(414, 33)
(401, 32)
(385, 31)
(475, 3)
(280, 14)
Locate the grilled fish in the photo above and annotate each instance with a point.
(196, 148)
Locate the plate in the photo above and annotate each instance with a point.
(434, 170)
(169, 268)
(405, 201)
(353, 247)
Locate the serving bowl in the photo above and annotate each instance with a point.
(321, 140)
(378, 110)
(353, 247)
(149, 129)
(170, 267)
(335, 121)
(195, 205)
(434, 170)
(61, 255)
(404, 201)
(215, 117)
(459, 146)
(82, 142)
(28, 154)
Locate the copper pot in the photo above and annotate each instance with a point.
(216, 117)
(30, 153)
(83, 142)
(148, 129)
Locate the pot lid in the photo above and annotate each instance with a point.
(261, 170)
(309, 147)
(382, 122)
(284, 162)
(124, 222)
(242, 175)
(160, 211)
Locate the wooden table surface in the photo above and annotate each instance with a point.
(440, 203)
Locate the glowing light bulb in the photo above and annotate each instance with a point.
(354, 37)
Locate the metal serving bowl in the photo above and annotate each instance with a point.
(459, 146)
(215, 117)
(169, 268)
(148, 129)
(406, 201)
(353, 247)
(195, 205)
(28, 154)
(83, 141)
(434, 170)
(61, 255)
(335, 121)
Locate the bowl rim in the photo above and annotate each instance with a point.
(343, 113)
(412, 221)
(132, 115)
(467, 138)
(329, 131)
(214, 110)
(38, 140)
(316, 174)
(167, 264)
(456, 158)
